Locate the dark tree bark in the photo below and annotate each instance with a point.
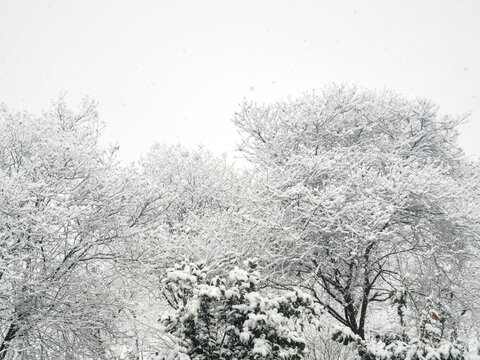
(11, 333)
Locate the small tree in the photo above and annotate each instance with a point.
(227, 318)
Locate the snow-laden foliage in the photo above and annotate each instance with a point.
(229, 318)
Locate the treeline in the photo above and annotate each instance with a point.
(353, 233)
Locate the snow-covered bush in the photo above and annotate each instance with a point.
(228, 318)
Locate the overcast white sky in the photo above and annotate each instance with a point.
(175, 71)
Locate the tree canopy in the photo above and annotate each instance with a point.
(360, 208)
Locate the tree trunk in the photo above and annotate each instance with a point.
(11, 333)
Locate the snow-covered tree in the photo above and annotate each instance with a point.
(230, 318)
(199, 197)
(192, 198)
(357, 190)
(63, 205)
